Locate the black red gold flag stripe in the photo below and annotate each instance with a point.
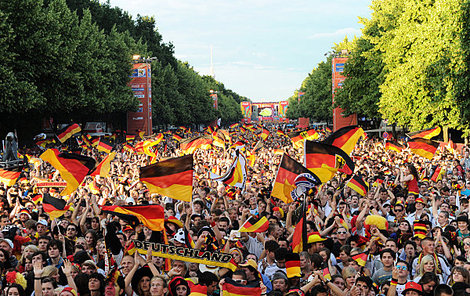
(72, 167)
(10, 175)
(361, 259)
(265, 134)
(255, 225)
(288, 170)
(325, 160)
(345, 138)
(237, 172)
(293, 265)
(300, 238)
(104, 146)
(296, 138)
(426, 134)
(103, 168)
(177, 137)
(172, 177)
(358, 184)
(310, 135)
(67, 132)
(54, 207)
(152, 216)
(189, 145)
(232, 288)
(423, 147)
(437, 174)
(392, 145)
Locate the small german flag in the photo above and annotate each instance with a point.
(242, 129)
(87, 139)
(426, 134)
(358, 184)
(141, 134)
(128, 148)
(284, 183)
(345, 138)
(177, 137)
(130, 138)
(232, 288)
(300, 238)
(310, 135)
(264, 134)
(95, 141)
(238, 145)
(255, 225)
(188, 146)
(233, 125)
(37, 198)
(198, 290)
(103, 168)
(10, 175)
(172, 177)
(437, 175)
(152, 216)
(361, 258)
(67, 132)
(55, 207)
(280, 133)
(325, 160)
(391, 145)
(73, 168)
(327, 274)
(296, 138)
(423, 147)
(104, 146)
(293, 265)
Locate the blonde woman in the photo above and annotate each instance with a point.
(427, 264)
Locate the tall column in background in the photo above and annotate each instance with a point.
(141, 84)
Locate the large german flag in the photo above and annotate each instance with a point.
(358, 184)
(152, 216)
(172, 177)
(300, 238)
(232, 288)
(293, 265)
(72, 167)
(392, 145)
(189, 145)
(345, 138)
(54, 207)
(255, 225)
(310, 135)
(104, 146)
(103, 168)
(67, 132)
(288, 170)
(423, 147)
(8, 176)
(426, 134)
(325, 160)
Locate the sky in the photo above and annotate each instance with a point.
(262, 49)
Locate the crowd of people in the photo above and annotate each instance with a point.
(409, 235)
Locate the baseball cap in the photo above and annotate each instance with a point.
(412, 286)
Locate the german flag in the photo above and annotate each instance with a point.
(300, 238)
(326, 273)
(37, 198)
(391, 145)
(95, 141)
(437, 175)
(177, 137)
(103, 168)
(198, 290)
(242, 129)
(426, 134)
(280, 133)
(325, 160)
(8, 176)
(130, 138)
(104, 146)
(293, 265)
(232, 288)
(296, 138)
(264, 134)
(237, 173)
(218, 141)
(172, 177)
(233, 125)
(54, 207)
(284, 183)
(310, 135)
(345, 138)
(72, 167)
(141, 134)
(238, 145)
(152, 216)
(423, 147)
(128, 148)
(188, 146)
(361, 258)
(358, 184)
(67, 132)
(255, 225)
(87, 139)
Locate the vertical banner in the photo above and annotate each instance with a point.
(283, 109)
(339, 120)
(214, 101)
(141, 84)
(246, 111)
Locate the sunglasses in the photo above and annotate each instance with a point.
(402, 267)
(341, 232)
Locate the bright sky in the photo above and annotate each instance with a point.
(262, 49)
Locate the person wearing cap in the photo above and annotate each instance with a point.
(419, 212)
(178, 286)
(412, 289)
(8, 246)
(315, 243)
(280, 281)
